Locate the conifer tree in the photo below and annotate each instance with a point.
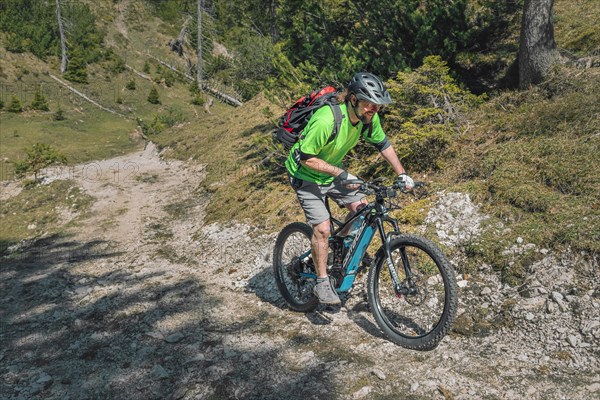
(39, 102)
(153, 96)
(15, 105)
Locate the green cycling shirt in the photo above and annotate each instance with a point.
(316, 134)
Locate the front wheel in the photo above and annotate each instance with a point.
(420, 311)
(293, 267)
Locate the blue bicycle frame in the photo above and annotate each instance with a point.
(357, 249)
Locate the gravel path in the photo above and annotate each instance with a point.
(142, 300)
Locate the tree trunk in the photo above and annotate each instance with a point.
(63, 40)
(200, 78)
(537, 48)
(274, 32)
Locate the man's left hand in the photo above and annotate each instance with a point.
(405, 182)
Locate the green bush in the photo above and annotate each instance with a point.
(429, 111)
(77, 69)
(59, 115)
(130, 85)
(198, 100)
(38, 157)
(15, 105)
(160, 122)
(153, 97)
(39, 102)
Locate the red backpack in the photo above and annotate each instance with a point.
(293, 121)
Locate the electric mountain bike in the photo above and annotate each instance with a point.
(411, 286)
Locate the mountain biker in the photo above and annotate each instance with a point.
(315, 170)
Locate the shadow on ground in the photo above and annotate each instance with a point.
(68, 332)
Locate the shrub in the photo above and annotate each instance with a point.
(161, 122)
(15, 105)
(76, 69)
(153, 96)
(198, 100)
(130, 85)
(59, 115)
(39, 102)
(428, 113)
(38, 157)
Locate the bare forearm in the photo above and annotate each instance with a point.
(321, 166)
(391, 157)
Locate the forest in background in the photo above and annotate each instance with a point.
(289, 46)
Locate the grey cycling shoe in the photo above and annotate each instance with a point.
(325, 293)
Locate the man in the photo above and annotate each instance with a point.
(315, 164)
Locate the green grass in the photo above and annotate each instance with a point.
(576, 26)
(532, 162)
(37, 210)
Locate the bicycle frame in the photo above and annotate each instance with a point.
(375, 215)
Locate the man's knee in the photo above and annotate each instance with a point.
(321, 230)
(357, 206)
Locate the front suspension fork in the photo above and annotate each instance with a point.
(401, 288)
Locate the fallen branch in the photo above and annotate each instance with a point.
(138, 73)
(83, 96)
(219, 95)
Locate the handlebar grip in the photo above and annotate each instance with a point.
(352, 182)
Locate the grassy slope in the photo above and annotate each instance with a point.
(87, 133)
(530, 159)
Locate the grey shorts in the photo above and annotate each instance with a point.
(312, 198)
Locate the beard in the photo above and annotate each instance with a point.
(365, 118)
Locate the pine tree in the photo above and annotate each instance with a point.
(15, 105)
(76, 70)
(153, 96)
(39, 102)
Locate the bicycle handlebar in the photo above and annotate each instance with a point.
(381, 190)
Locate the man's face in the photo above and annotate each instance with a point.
(365, 110)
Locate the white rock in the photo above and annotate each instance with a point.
(362, 393)
(378, 373)
(557, 297)
(529, 316)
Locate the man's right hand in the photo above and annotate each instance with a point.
(346, 176)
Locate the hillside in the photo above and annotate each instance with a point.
(142, 268)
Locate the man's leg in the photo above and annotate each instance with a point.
(320, 247)
(312, 199)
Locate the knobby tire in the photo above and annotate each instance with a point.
(420, 320)
(291, 242)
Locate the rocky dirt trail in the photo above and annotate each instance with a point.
(142, 300)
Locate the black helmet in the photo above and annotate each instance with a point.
(369, 87)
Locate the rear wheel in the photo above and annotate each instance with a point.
(419, 313)
(293, 266)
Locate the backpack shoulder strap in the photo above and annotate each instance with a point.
(337, 120)
(364, 129)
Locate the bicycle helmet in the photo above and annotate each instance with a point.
(369, 87)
